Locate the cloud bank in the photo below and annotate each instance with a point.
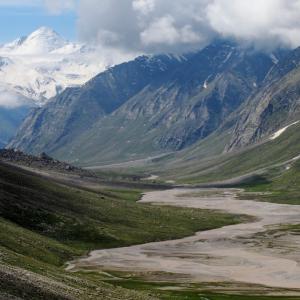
(182, 25)
(144, 25)
(10, 100)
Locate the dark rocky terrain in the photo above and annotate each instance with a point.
(43, 161)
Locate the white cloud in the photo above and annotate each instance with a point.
(143, 6)
(144, 25)
(10, 100)
(163, 31)
(181, 25)
(263, 22)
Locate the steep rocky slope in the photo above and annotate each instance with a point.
(76, 110)
(147, 106)
(276, 105)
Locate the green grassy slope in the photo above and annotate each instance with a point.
(279, 185)
(192, 169)
(273, 167)
(44, 224)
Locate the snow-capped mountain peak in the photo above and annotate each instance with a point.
(44, 31)
(43, 40)
(43, 64)
(12, 45)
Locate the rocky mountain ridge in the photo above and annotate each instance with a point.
(148, 106)
(42, 161)
(275, 105)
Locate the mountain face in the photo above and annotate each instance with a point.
(43, 64)
(75, 111)
(148, 106)
(275, 105)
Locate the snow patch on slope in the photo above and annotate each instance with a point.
(281, 131)
(152, 177)
(274, 59)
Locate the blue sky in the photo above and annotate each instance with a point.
(19, 18)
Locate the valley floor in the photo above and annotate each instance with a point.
(261, 257)
(48, 218)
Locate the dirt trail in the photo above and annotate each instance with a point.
(234, 253)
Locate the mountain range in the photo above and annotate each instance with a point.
(159, 104)
(39, 66)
